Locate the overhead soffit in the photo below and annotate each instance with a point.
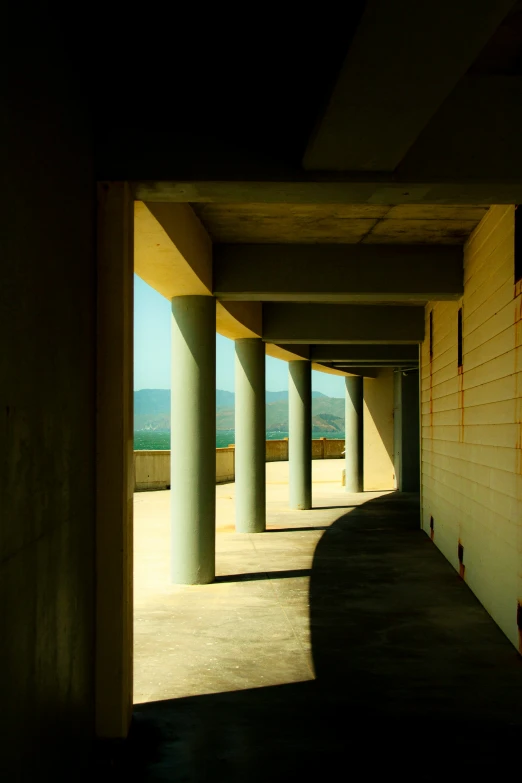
(339, 223)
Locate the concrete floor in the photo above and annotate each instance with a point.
(338, 641)
(251, 627)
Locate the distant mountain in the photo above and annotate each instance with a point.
(152, 408)
(330, 411)
(151, 422)
(151, 401)
(224, 399)
(276, 396)
(152, 411)
(327, 422)
(271, 396)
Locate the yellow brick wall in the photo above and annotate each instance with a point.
(471, 423)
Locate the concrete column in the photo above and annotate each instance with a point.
(407, 431)
(300, 434)
(193, 440)
(250, 436)
(397, 427)
(114, 463)
(354, 434)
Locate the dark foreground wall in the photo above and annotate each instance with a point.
(47, 426)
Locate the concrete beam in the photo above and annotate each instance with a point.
(363, 370)
(395, 77)
(354, 368)
(341, 323)
(239, 320)
(364, 353)
(328, 369)
(338, 273)
(288, 353)
(298, 187)
(172, 250)
(291, 353)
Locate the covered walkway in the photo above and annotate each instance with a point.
(339, 642)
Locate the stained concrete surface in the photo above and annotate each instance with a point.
(339, 642)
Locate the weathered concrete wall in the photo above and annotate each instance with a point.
(471, 449)
(47, 420)
(152, 468)
(379, 472)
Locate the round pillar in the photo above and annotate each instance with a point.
(250, 436)
(193, 440)
(300, 434)
(354, 434)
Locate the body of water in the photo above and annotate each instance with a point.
(149, 441)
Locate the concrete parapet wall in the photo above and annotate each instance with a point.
(152, 468)
(225, 465)
(332, 449)
(277, 450)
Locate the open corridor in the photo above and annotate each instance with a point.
(338, 641)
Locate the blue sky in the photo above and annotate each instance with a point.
(152, 351)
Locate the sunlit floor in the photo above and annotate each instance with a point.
(251, 627)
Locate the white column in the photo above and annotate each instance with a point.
(193, 440)
(250, 436)
(300, 434)
(354, 434)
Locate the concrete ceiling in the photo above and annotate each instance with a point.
(380, 103)
(339, 223)
(382, 132)
(405, 59)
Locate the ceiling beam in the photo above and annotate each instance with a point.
(350, 367)
(351, 188)
(173, 254)
(365, 372)
(172, 250)
(403, 61)
(364, 353)
(329, 370)
(338, 273)
(288, 353)
(239, 320)
(341, 323)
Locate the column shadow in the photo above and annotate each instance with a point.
(413, 678)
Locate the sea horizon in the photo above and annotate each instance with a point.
(159, 440)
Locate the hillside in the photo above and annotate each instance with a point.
(151, 401)
(152, 411)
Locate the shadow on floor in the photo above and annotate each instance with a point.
(414, 679)
(295, 529)
(331, 508)
(256, 575)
